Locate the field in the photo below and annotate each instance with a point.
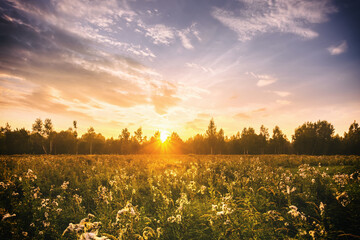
(179, 197)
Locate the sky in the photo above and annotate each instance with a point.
(173, 65)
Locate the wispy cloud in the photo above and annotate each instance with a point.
(160, 34)
(285, 16)
(95, 21)
(199, 67)
(283, 102)
(242, 115)
(185, 40)
(68, 73)
(338, 49)
(263, 80)
(282, 93)
(186, 34)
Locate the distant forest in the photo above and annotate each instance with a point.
(311, 138)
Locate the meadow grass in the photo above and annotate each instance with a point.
(179, 197)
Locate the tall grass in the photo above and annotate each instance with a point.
(179, 197)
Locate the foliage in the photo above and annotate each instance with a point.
(179, 197)
(310, 138)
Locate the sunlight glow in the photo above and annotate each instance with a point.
(163, 135)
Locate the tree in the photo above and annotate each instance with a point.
(250, 141)
(220, 139)
(313, 138)
(64, 142)
(37, 127)
(263, 138)
(49, 133)
(3, 131)
(278, 142)
(125, 143)
(75, 128)
(175, 143)
(17, 142)
(138, 135)
(198, 144)
(75, 135)
(235, 144)
(89, 138)
(352, 139)
(37, 136)
(211, 135)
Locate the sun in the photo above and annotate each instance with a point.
(163, 135)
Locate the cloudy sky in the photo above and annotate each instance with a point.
(172, 65)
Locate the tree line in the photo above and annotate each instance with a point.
(312, 138)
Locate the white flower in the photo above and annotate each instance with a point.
(46, 224)
(8, 215)
(65, 185)
(178, 218)
(171, 219)
(202, 189)
(128, 209)
(214, 207)
(220, 213)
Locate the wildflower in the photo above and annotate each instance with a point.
(171, 219)
(91, 236)
(128, 209)
(191, 186)
(159, 232)
(36, 192)
(214, 207)
(178, 218)
(226, 209)
(30, 175)
(65, 185)
(182, 201)
(341, 179)
(322, 208)
(8, 215)
(46, 224)
(295, 213)
(220, 213)
(78, 199)
(343, 198)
